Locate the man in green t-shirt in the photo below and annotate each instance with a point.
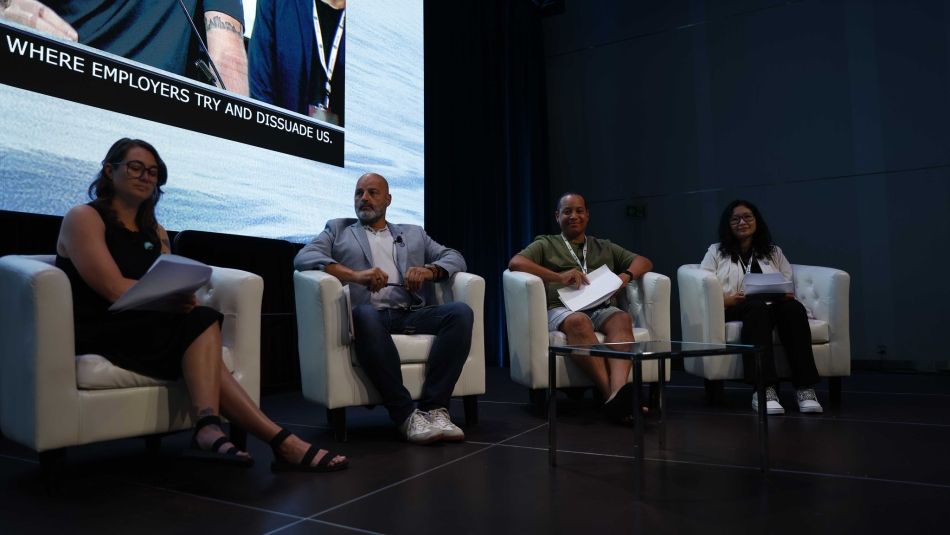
(564, 260)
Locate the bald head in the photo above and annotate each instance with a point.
(371, 199)
(373, 179)
(572, 216)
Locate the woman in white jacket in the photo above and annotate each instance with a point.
(745, 246)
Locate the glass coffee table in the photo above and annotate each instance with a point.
(637, 352)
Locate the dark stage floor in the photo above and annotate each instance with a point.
(880, 463)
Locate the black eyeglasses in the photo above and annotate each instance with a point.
(748, 218)
(137, 169)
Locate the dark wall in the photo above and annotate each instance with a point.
(485, 136)
(831, 115)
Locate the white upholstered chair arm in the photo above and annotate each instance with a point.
(37, 355)
(237, 295)
(702, 311)
(470, 289)
(825, 292)
(527, 332)
(324, 351)
(649, 304)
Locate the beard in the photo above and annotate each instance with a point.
(367, 215)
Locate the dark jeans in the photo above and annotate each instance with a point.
(789, 317)
(451, 324)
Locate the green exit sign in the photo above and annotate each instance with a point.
(637, 211)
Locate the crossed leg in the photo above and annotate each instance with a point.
(213, 391)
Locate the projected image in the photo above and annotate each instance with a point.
(160, 34)
(297, 56)
(50, 144)
(189, 54)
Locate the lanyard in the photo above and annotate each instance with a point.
(570, 249)
(337, 37)
(747, 267)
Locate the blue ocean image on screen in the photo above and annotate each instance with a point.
(50, 148)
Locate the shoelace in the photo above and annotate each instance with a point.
(807, 395)
(440, 418)
(770, 394)
(418, 422)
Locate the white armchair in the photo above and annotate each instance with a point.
(51, 398)
(528, 336)
(329, 372)
(823, 291)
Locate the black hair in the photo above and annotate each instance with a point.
(762, 244)
(102, 190)
(557, 205)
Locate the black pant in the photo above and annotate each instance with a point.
(789, 317)
(451, 324)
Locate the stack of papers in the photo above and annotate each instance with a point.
(169, 277)
(766, 283)
(603, 284)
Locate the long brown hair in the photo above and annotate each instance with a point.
(102, 190)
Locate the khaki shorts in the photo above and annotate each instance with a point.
(598, 316)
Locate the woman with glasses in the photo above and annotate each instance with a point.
(745, 246)
(104, 247)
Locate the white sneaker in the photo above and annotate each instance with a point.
(808, 401)
(419, 430)
(772, 406)
(440, 419)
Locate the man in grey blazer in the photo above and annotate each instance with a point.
(387, 267)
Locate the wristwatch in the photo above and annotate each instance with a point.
(627, 271)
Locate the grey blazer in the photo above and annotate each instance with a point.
(343, 241)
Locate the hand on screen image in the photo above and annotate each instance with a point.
(38, 16)
(225, 36)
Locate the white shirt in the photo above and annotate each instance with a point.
(730, 274)
(382, 245)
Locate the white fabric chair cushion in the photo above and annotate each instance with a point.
(558, 338)
(95, 372)
(413, 348)
(820, 332)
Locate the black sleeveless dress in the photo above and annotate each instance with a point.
(146, 342)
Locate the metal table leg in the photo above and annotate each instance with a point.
(637, 427)
(763, 416)
(552, 408)
(661, 402)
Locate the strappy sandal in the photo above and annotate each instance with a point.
(230, 456)
(323, 465)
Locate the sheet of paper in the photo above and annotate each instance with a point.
(346, 321)
(766, 283)
(170, 276)
(603, 284)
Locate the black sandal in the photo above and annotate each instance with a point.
(323, 465)
(230, 456)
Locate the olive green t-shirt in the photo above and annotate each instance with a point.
(550, 252)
